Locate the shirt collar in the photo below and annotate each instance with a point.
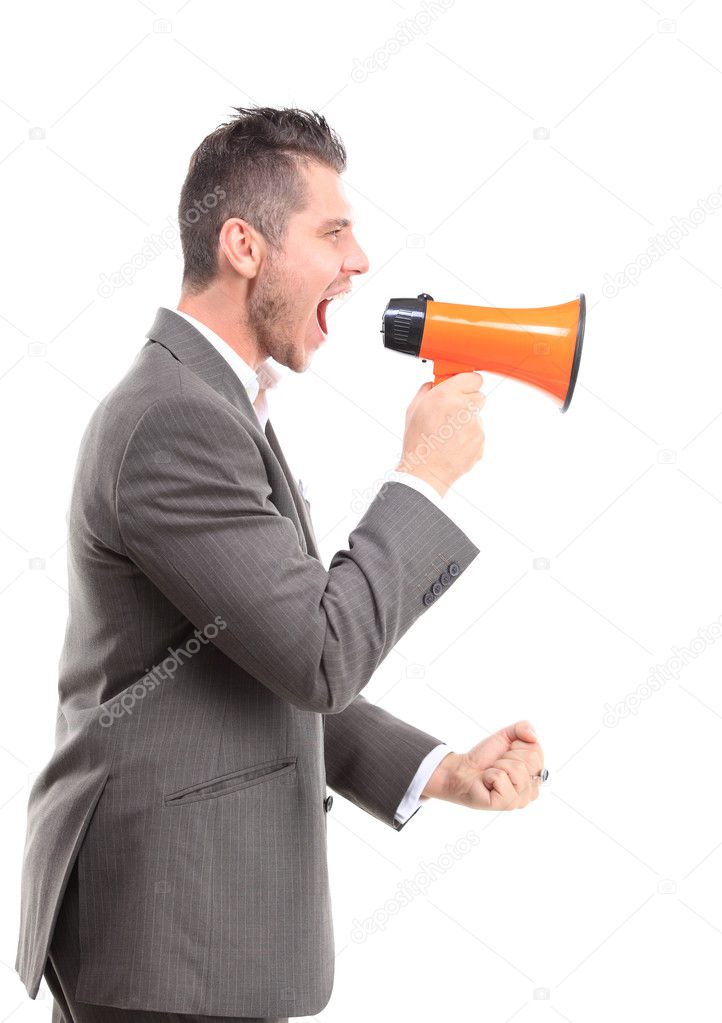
(245, 373)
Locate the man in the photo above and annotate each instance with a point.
(175, 861)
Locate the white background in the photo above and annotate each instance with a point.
(602, 898)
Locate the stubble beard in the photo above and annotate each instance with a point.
(269, 318)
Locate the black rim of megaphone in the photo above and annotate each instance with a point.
(577, 351)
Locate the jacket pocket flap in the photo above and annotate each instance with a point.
(224, 783)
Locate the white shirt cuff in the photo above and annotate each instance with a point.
(412, 800)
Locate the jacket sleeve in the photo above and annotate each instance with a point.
(371, 757)
(194, 514)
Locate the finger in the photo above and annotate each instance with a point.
(503, 794)
(531, 791)
(519, 769)
(520, 778)
(520, 731)
(532, 756)
(467, 382)
(424, 389)
(524, 731)
(476, 404)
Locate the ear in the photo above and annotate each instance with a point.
(242, 246)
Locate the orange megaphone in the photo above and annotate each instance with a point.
(542, 347)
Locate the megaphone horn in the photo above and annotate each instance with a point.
(541, 347)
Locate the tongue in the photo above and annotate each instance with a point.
(321, 315)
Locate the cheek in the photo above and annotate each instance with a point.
(321, 268)
(310, 274)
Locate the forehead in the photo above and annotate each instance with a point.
(326, 198)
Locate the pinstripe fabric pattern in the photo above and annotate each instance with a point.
(61, 973)
(206, 649)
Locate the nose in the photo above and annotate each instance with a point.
(356, 261)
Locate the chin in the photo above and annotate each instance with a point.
(300, 359)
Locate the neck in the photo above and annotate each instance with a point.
(213, 308)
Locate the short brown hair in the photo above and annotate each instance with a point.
(250, 167)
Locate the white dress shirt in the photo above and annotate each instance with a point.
(250, 379)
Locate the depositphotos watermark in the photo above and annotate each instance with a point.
(660, 674)
(166, 669)
(157, 243)
(417, 885)
(408, 30)
(661, 244)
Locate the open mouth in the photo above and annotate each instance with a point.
(322, 308)
(321, 315)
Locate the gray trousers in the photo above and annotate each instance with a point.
(61, 974)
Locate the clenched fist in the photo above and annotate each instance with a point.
(497, 774)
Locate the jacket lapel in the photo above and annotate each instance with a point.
(298, 498)
(187, 345)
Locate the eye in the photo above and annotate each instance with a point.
(335, 231)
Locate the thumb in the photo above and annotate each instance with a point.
(524, 731)
(424, 389)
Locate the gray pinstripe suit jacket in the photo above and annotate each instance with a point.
(208, 692)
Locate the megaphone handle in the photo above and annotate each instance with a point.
(444, 369)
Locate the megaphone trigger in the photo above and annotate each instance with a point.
(444, 369)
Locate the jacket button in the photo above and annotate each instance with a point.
(436, 589)
(454, 569)
(445, 578)
(328, 803)
(429, 598)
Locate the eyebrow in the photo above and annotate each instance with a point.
(338, 222)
